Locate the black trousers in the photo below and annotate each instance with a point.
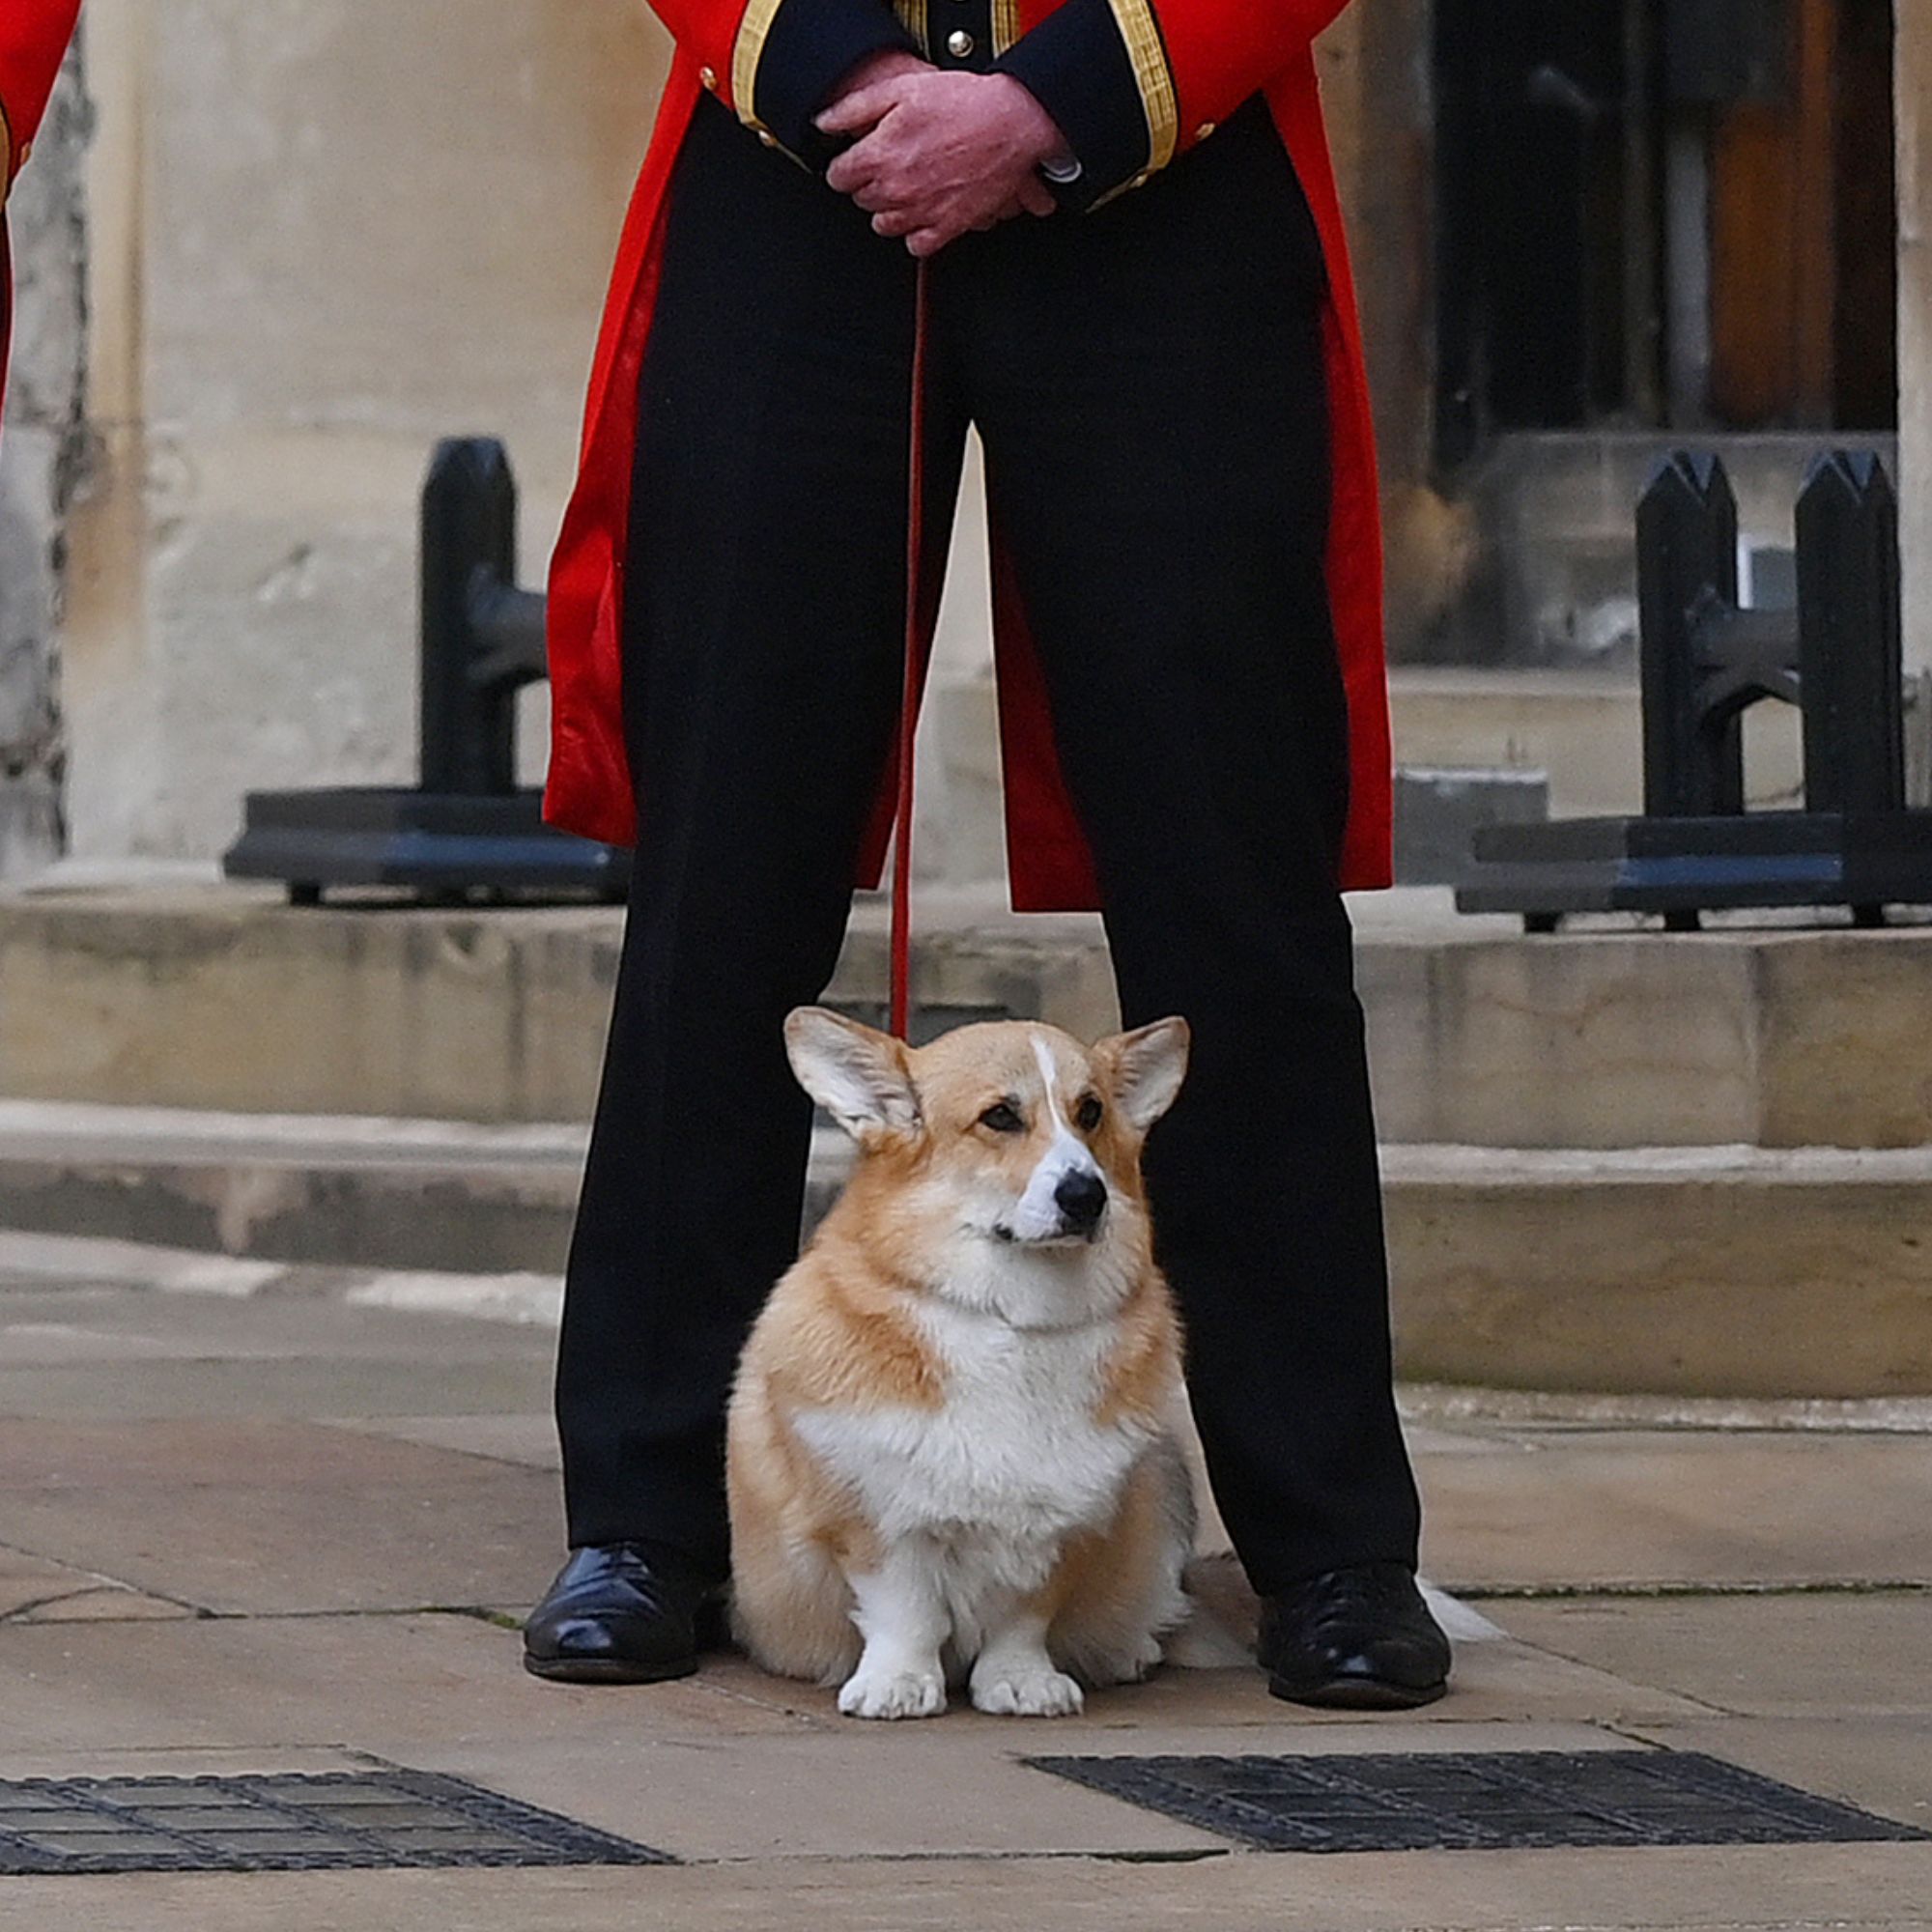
(1147, 383)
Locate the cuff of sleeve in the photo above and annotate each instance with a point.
(1098, 67)
(791, 54)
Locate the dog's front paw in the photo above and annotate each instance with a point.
(893, 1694)
(1027, 1691)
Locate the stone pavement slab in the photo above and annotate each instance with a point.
(1880, 1763)
(259, 1517)
(401, 1684)
(953, 1788)
(35, 1591)
(263, 1314)
(1517, 1683)
(286, 1528)
(266, 1344)
(1583, 1507)
(829, 1794)
(392, 1685)
(527, 1440)
(193, 1389)
(1739, 1890)
(1842, 1654)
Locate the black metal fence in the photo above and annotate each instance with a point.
(1706, 661)
(466, 830)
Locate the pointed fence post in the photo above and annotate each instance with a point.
(1851, 654)
(1687, 569)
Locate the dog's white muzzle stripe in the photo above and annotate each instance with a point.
(1040, 1216)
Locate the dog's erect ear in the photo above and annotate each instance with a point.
(859, 1076)
(1146, 1069)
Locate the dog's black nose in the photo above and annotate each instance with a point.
(1082, 1199)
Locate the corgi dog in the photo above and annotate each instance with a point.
(953, 1455)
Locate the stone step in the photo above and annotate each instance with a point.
(1762, 1032)
(1583, 726)
(1580, 724)
(348, 1191)
(1710, 1271)
(341, 1191)
(1714, 1271)
(1438, 810)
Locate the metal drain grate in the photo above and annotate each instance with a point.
(338, 1821)
(1493, 1801)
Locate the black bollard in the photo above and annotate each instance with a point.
(482, 638)
(468, 529)
(467, 831)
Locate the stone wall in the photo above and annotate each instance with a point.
(325, 233)
(1377, 89)
(44, 451)
(279, 246)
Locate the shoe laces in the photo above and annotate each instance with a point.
(1377, 1592)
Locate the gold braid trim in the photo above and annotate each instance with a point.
(1140, 31)
(1006, 25)
(754, 30)
(913, 16)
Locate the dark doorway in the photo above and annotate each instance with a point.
(1664, 213)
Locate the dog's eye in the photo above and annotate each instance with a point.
(1088, 1114)
(1003, 1119)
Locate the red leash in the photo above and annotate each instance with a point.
(901, 945)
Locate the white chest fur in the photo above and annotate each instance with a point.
(1011, 1462)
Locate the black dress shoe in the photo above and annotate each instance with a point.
(1359, 1639)
(623, 1613)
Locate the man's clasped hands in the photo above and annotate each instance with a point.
(937, 154)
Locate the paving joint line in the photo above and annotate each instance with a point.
(375, 1429)
(1670, 1591)
(100, 1582)
(1193, 1854)
(20, 1612)
(474, 1612)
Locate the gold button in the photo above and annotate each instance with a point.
(709, 76)
(1202, 133)
(959, 44)
(1141, 180)
(768, 138)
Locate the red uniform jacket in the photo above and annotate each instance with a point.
(33, 36)
(1182, 66)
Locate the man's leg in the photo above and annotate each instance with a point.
(1149, 387)
(764, 600)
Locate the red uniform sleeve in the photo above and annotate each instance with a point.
(33, 38)
(1133, 83)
